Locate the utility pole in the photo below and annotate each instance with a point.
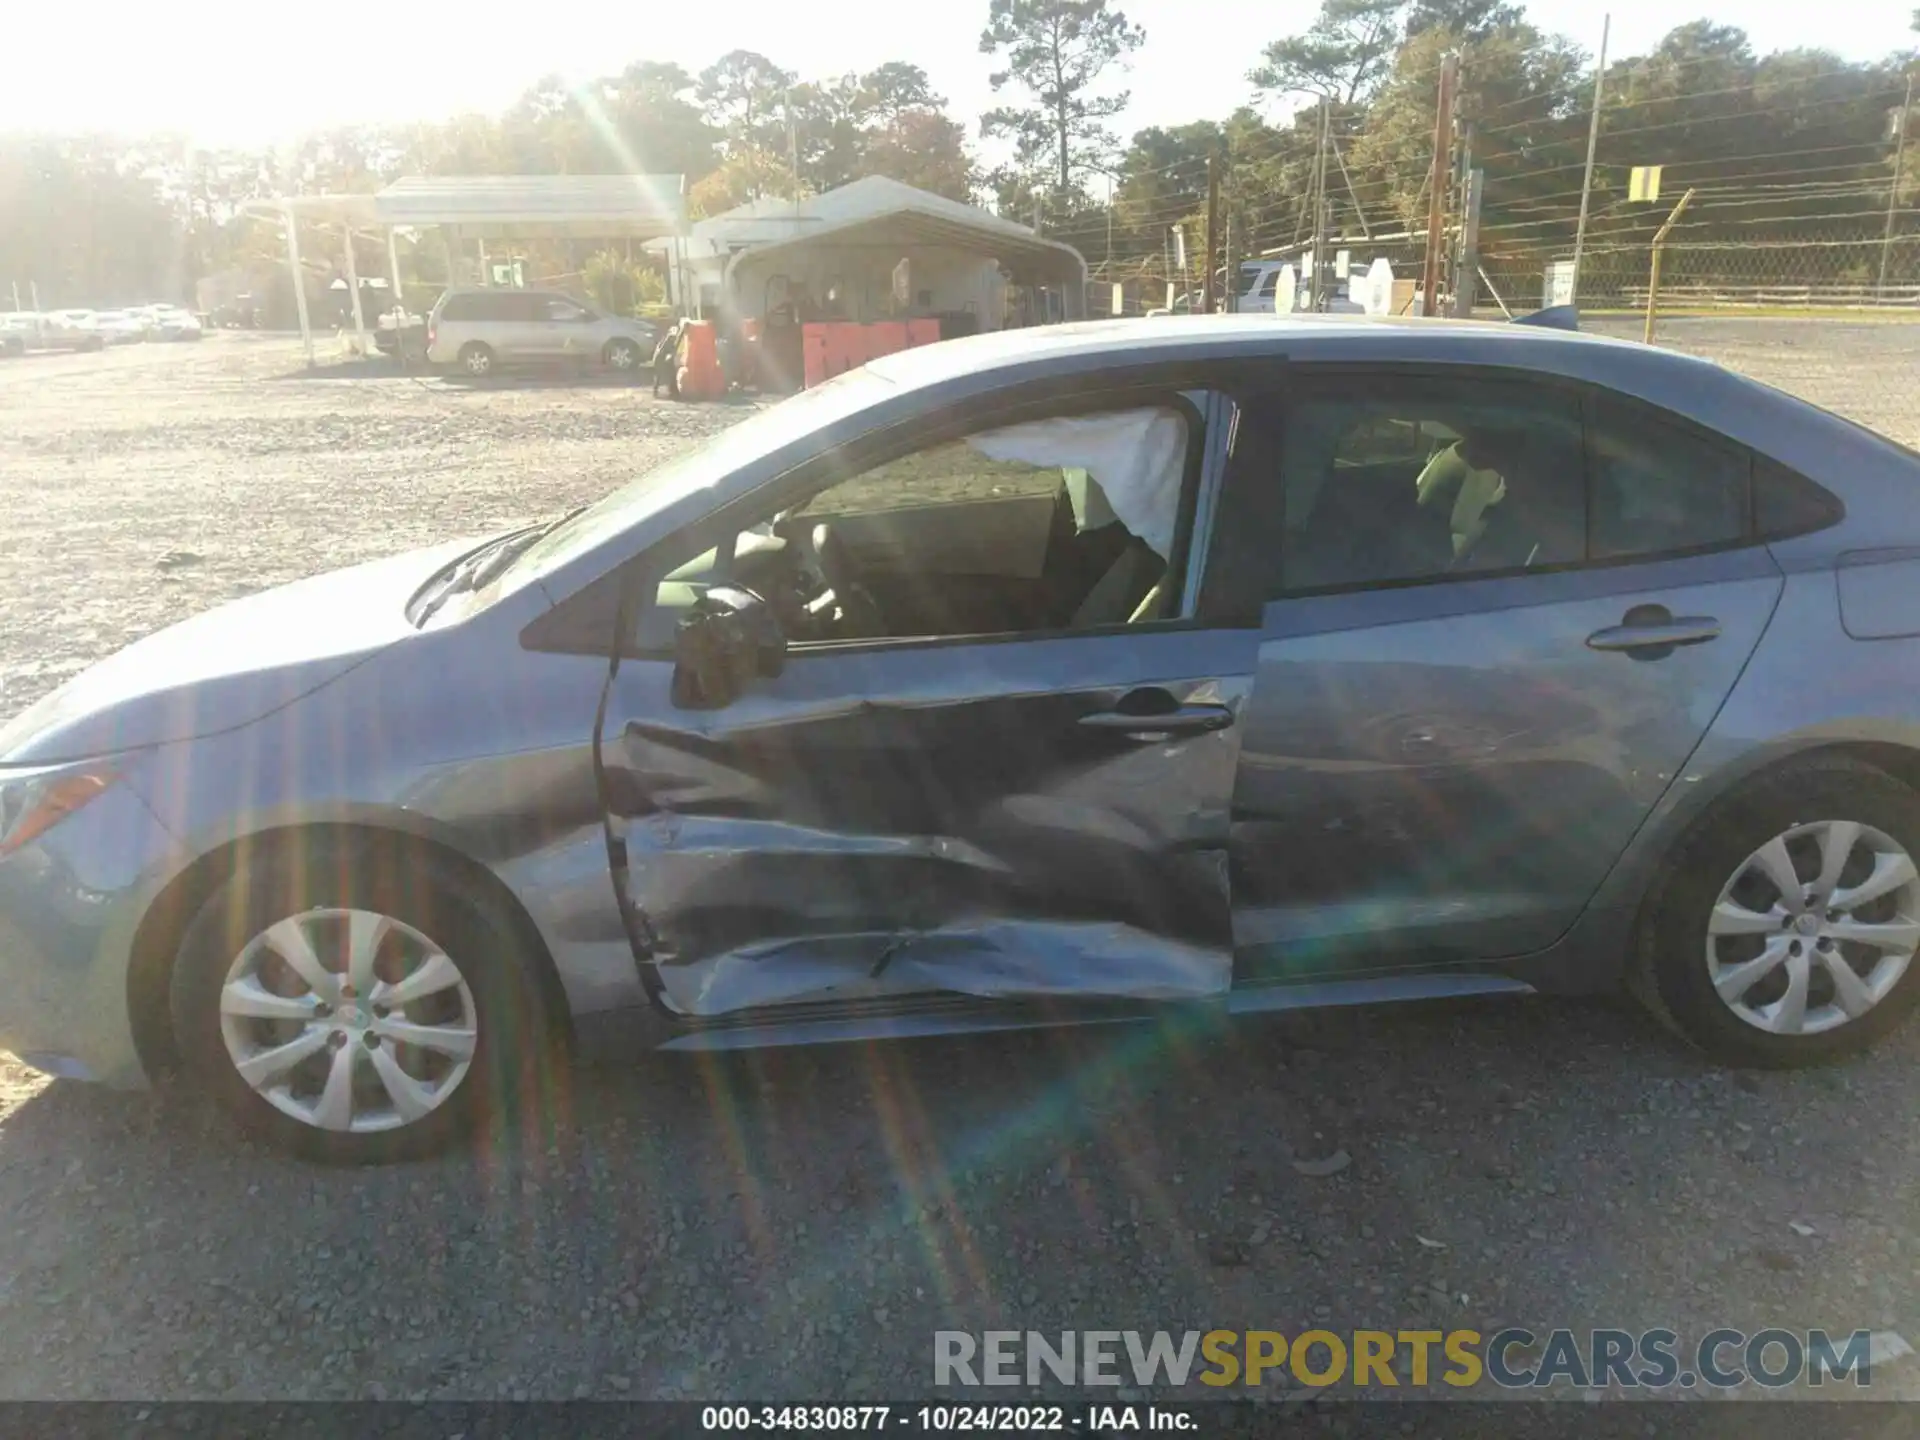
(1468, 269)
(1167, 251)
(1437, 185)
(1593, 143)
(1109, 266)
(1230, 285)
(1893, 195)
(1316, 291)
(1213, 231)
(793, 152)
(1463, 175)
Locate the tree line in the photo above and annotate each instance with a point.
(1342, 110)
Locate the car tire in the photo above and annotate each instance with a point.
(350, 1078)
(1756, 976)
(622, 355)
(476, 359)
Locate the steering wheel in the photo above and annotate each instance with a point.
(859, 615)
(838, 605)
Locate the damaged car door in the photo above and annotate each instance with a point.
(995, 751)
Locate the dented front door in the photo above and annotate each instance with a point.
(1009, 818)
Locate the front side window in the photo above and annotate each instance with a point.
(1058, 524)
(1421, 480)
(565, 311)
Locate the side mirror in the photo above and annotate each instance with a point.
(728, 639)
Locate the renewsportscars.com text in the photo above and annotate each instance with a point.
(1513, 1359)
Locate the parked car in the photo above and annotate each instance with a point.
(480, 330)
(171, 323)
(69, 330)
(16, 328)
(979, 688)
(120, 327)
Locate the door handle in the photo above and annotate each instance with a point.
(1648, 632)
(1183, 720)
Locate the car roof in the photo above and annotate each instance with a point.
(1321, 336)
(1680, 382)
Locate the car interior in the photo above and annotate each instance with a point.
(1374, 496)
(1051, 525)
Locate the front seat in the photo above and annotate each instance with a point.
(1120, 593)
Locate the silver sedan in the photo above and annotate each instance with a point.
(1137, 672)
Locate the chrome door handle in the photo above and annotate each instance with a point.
(1641, 637)
(1186, 720)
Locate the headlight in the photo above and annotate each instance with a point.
(34, 801)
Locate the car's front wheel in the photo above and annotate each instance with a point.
(359, 1004)
(623, 355)
(1786, 930)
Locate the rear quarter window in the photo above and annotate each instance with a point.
(1786, 503)
(1656, 486)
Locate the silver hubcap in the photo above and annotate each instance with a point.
(479, 362)
(1815, 928)
(348, 1020)
(623, 357)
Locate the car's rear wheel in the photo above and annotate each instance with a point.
(360, 1004)
(476, 359)
(622, 355)
(1786, 931)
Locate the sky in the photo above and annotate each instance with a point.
(223, 72)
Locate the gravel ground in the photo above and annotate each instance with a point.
(1867, 370)
(796, 1225)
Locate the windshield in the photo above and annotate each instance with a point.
(772, 429)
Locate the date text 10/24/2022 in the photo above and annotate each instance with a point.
(981, 1419)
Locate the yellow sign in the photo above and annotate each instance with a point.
(1645, 184)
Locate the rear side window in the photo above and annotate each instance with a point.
(1658, 487)
(1787, 503)
(495, 306)
(1423, 479)
(1358, 477)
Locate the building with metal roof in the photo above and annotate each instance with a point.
(874, 249)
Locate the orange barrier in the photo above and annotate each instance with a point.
(828, 348)
(813, 355)
(700, 363)
(885, 338)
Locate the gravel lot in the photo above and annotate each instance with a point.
(796, 1225)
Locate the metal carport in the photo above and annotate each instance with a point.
(479, 208)
(1029, 259)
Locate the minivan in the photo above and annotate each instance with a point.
(479, 330)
